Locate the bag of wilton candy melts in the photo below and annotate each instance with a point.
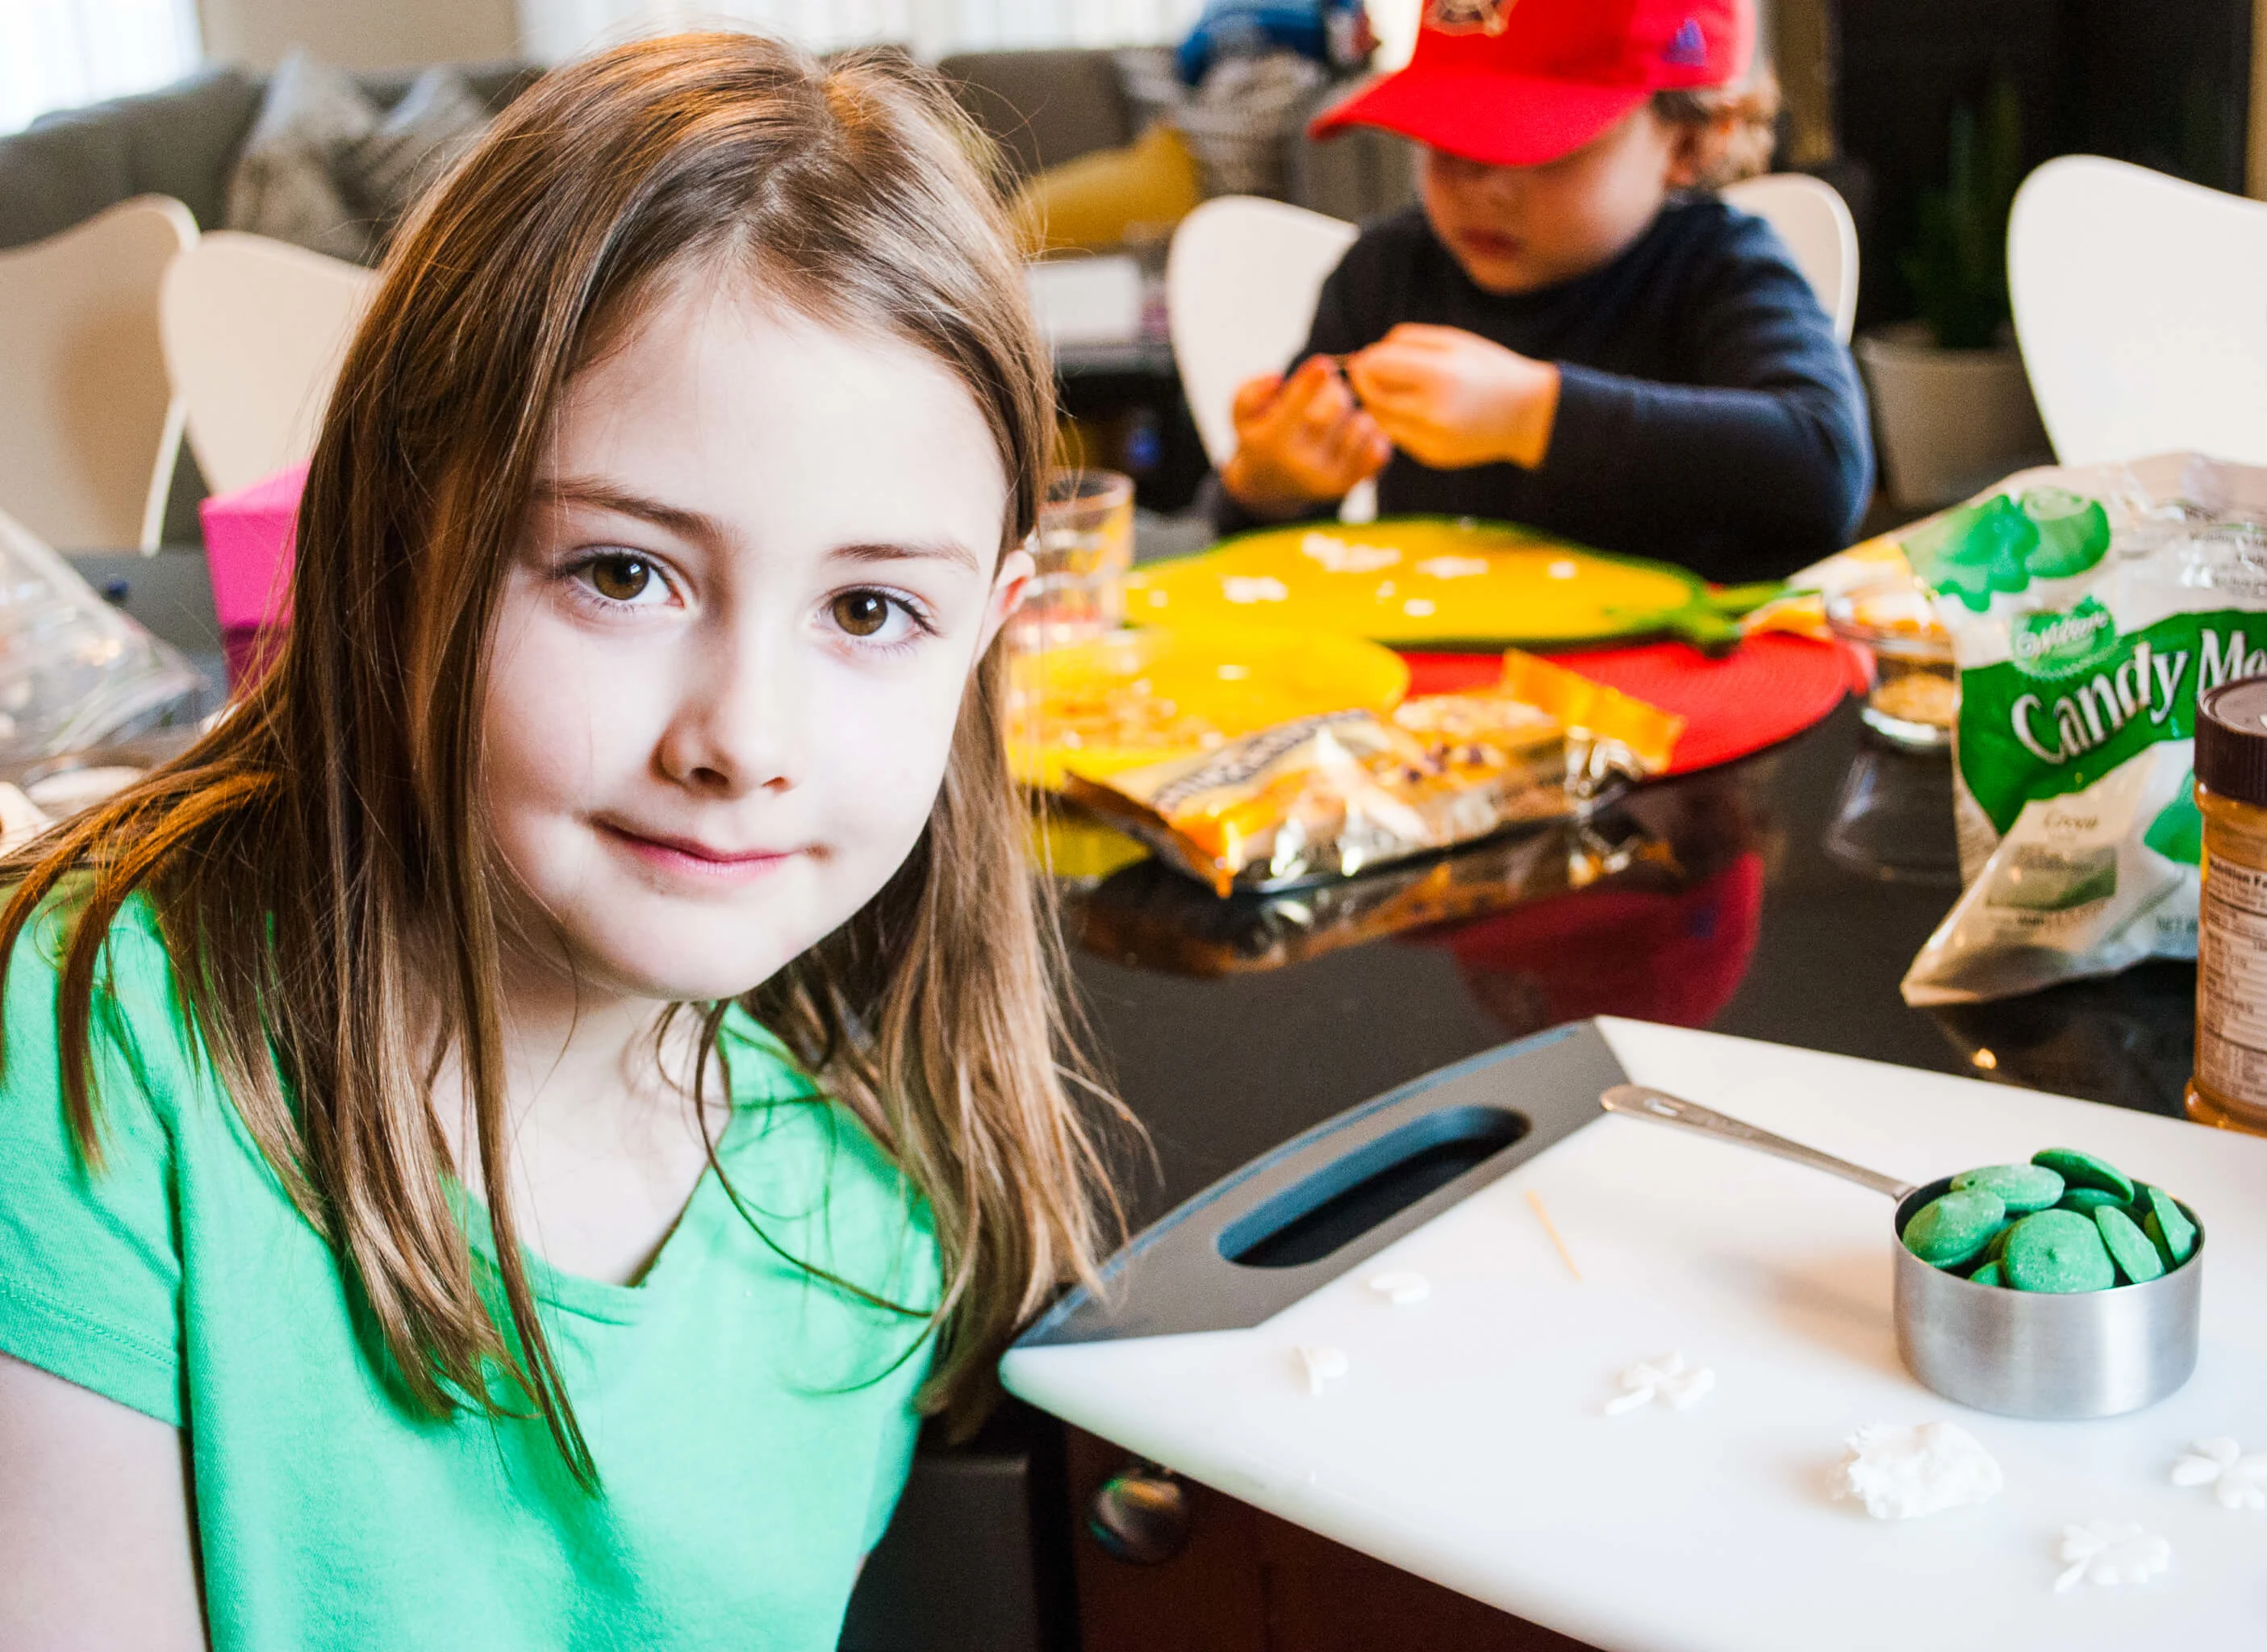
(2087, 606)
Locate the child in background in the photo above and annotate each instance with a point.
(503, 1140)
(1570, 331)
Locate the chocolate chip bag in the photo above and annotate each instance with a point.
(2087, 607)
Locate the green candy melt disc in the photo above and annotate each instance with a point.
(2169, 1227)
(2086, 1201)
(2134, 1252)
(1946, 1232)
(2059, 1252)
(2083, 1170)
(2023, 1188)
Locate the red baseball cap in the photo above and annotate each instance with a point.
(1515, 83)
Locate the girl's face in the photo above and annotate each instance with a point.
(733, 645)
(1520, 229)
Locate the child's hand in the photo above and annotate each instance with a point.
(1299, 441)
(1451, 399)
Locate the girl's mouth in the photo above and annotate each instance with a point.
(689, 858)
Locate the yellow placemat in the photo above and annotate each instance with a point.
(1429, 582)
(1138, 697)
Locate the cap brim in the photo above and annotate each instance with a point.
(1497, 119)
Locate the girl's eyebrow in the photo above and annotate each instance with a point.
(695, 526)
(584, 490)
(937, 550)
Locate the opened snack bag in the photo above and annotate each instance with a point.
(1334, 795)
(2087, 607)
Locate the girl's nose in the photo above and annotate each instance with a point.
(736, 726)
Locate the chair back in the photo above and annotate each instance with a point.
(89, 423)
(2137, 301)
(254, 332)
(1811, 216)
(1241, 282)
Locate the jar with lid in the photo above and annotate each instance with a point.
(2229, 1086)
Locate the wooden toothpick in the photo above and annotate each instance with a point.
(1552, 1228)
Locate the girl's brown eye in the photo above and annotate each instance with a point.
(862, 612)
(620, 579)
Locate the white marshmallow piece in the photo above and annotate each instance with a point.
(1261, 588)
(1903, 1473)
(1669, 1379)
(1337, 556)
(2237, 1480)
(1322, 1365)
(2110, 1553)
(1403, 1288)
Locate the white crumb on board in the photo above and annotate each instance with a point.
(1403, 1288)
(1670, 1379)
(1902, 1473)
(1322, 1365)
(2111, 1552)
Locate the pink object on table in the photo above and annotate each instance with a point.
(248, 550)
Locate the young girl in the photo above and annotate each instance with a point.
(501, 1141)
(1569, 332)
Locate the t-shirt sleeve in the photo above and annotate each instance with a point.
(89, 1261)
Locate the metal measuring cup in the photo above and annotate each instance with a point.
(2022, 1353)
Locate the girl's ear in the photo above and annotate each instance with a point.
(1007, 586)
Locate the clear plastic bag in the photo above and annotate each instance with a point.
(74, 673)
(2089, 608)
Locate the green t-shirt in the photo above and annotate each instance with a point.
(751, 1425)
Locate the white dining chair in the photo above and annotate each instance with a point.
(254, 332)
(2137, 301)
(1812, 219)
(89, 422)
(1241, 282)
(1242, 278)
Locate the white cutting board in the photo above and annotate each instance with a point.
(1467, 1443)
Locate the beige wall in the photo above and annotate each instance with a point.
(361, 33)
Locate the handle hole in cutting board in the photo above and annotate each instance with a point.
(1338, 1204)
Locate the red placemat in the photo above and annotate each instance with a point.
(1768, 689)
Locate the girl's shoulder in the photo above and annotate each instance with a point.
(805, 1159)
(137, 1017)
(90, 1244)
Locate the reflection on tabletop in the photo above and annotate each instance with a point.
(1648, 909)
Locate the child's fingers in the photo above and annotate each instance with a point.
(1385, 370)
(1295, 411)
(1254, 397)
(1425, 338)
(1330, 406)
(1357, 449)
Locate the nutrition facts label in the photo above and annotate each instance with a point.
(2232, 984)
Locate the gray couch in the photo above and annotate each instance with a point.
(181, 142)
(1044, 106)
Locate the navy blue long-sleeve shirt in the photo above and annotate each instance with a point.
(1707, 414)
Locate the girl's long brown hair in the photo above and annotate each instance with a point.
(318, 863)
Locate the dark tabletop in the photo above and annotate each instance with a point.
(1752, 900)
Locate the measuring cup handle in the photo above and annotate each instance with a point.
(1640, 1101)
